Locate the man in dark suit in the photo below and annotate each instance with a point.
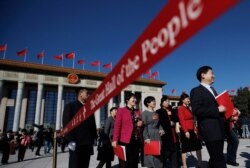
(81, 139)
(210, 116)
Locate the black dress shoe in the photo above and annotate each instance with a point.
(233, 163)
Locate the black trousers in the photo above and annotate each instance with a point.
(232, 146)
(38, 148)
(21, 152)
(80, 158)
(132, 154)
(215, 150)
(6, 155)
(102, 163)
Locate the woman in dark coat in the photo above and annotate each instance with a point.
(5, 143)
(105, 150)
(167, 120)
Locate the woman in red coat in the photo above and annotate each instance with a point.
(126, 131)
(189, 138)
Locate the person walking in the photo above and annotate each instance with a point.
(189, 135)
(48, 140)
(5, 141)
(126, 132)
(81, 139)
(152, 131)
(24, 143)
(168, 120)
(232, 138)
(39, 140)
(210, 116)
(105, 149)
(244, 126)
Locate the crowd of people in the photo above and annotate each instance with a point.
(198, 120)
(12, 143)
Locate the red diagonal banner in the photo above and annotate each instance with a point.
(176, 22)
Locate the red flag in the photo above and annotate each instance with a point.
(70, 55)
(109, 65)
(173, 91)
(22, 53)
(40, 55)
(58, 57)
(80, 62)
(3, 47)
(155, 74)
(95, 63)
(148, 72)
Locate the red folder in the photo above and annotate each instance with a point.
(120, 152)
(152, 148)
(225, 100)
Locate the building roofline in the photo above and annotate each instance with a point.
(6, 64)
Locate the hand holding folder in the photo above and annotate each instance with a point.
(225, 100)
(120, 152)
(152, 148)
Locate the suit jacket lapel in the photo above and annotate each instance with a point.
(208, 93)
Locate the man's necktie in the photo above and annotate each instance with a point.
(214, 91)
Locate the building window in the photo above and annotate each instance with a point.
(50, 108)
(173, 104)
(103, 114)
(69, 97)
(31, 108)
(10, 111)
(116, 101)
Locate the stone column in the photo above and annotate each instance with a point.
(143, 108)
(59, 107)
(18, 106)
(38, 104)
(3, 111)
(1, 89)
(110, 105)
(97, 118)
(122, 103)
(23, 108)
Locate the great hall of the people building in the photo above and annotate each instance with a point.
(36, 93)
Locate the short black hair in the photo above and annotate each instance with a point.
(148, 100)
(182, 97)
(79, 89)
(113, 108)
(128, 96)
(164, 98)
(201, 70)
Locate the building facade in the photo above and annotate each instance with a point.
(36, 94)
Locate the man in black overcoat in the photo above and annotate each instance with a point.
(81, 138)
(210, 116)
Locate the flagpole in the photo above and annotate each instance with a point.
(24, 59)
(42, 56)
(111, 66)
(62, 61)
(158, 75)
(83, 66)
(99, 68)
(74, 61)
(4, 52)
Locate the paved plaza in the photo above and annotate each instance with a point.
(30, 161)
